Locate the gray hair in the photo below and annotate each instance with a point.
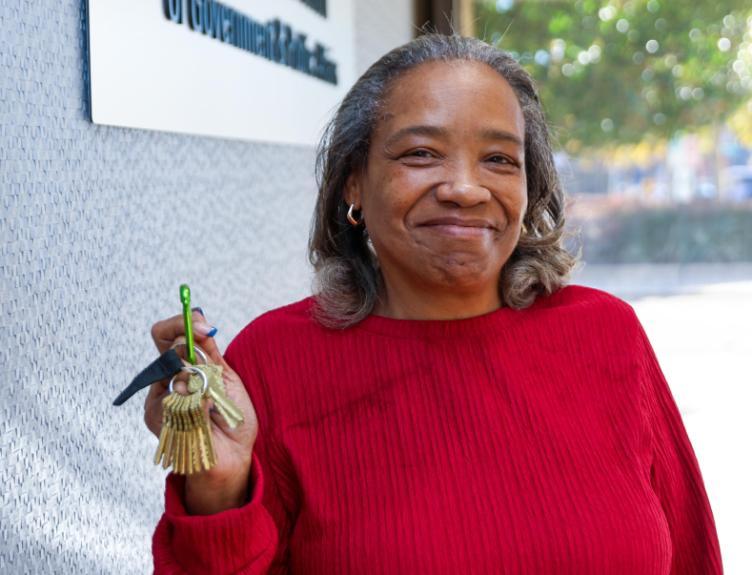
(348, 280)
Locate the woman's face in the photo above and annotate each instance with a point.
(444, 191)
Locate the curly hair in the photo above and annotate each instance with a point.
(348, 280)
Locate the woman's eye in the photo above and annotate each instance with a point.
(420, 154)
(500, 160)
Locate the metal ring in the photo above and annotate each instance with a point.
(201, 354)
(196, 348)
(351, 217)
(192, 369)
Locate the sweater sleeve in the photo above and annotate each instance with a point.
(675, 475)
(250, 540)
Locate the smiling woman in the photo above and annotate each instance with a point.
(438, 135)
(443, 403)
(446, 183)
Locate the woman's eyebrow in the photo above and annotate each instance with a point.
(417, 130)
(439, 132)
(502, 135)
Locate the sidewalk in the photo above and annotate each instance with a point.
(699, 320)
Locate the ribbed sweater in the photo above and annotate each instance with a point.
(535, 441)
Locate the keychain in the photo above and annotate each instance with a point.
(185, 440)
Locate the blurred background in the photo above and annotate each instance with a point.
(650, 102)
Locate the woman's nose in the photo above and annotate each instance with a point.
(463, 192)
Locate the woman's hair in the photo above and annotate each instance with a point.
(348, 279)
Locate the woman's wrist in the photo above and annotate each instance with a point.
(206, 494)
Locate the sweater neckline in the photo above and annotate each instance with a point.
(478, 325)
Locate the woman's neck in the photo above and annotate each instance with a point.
(436, 304)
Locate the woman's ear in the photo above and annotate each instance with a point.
(352, 190)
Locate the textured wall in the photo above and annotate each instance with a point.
(95, 224)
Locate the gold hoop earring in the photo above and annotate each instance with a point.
(351, 218)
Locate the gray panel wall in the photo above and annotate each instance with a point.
(99, 226)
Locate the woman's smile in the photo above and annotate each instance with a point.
(469, 232)
(463, 228)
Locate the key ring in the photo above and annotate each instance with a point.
(191, 369)
(181, 341)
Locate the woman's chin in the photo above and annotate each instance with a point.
(464, 274)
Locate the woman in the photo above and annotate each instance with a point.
(443, 404)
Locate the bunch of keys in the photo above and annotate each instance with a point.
(185, 440)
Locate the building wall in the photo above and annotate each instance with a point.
(99, 226)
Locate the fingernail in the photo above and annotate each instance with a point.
(204, 328)
(199, 310)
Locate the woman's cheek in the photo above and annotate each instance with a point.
(515, 203)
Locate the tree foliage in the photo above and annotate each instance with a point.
(618, 71)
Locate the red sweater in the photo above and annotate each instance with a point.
(518, 442)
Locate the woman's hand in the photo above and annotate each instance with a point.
(225, 485)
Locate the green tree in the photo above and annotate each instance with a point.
(616, 72)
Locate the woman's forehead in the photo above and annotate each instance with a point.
(457, 92)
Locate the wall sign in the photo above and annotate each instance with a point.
(270, 70)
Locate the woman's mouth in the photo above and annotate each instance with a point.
(459, 227)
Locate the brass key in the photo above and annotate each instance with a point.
(185, 442)
(176, 459)
(226, 408)
(178, 441)
(165, 434)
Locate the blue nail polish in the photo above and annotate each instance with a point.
(199, 310)
(212, 332)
